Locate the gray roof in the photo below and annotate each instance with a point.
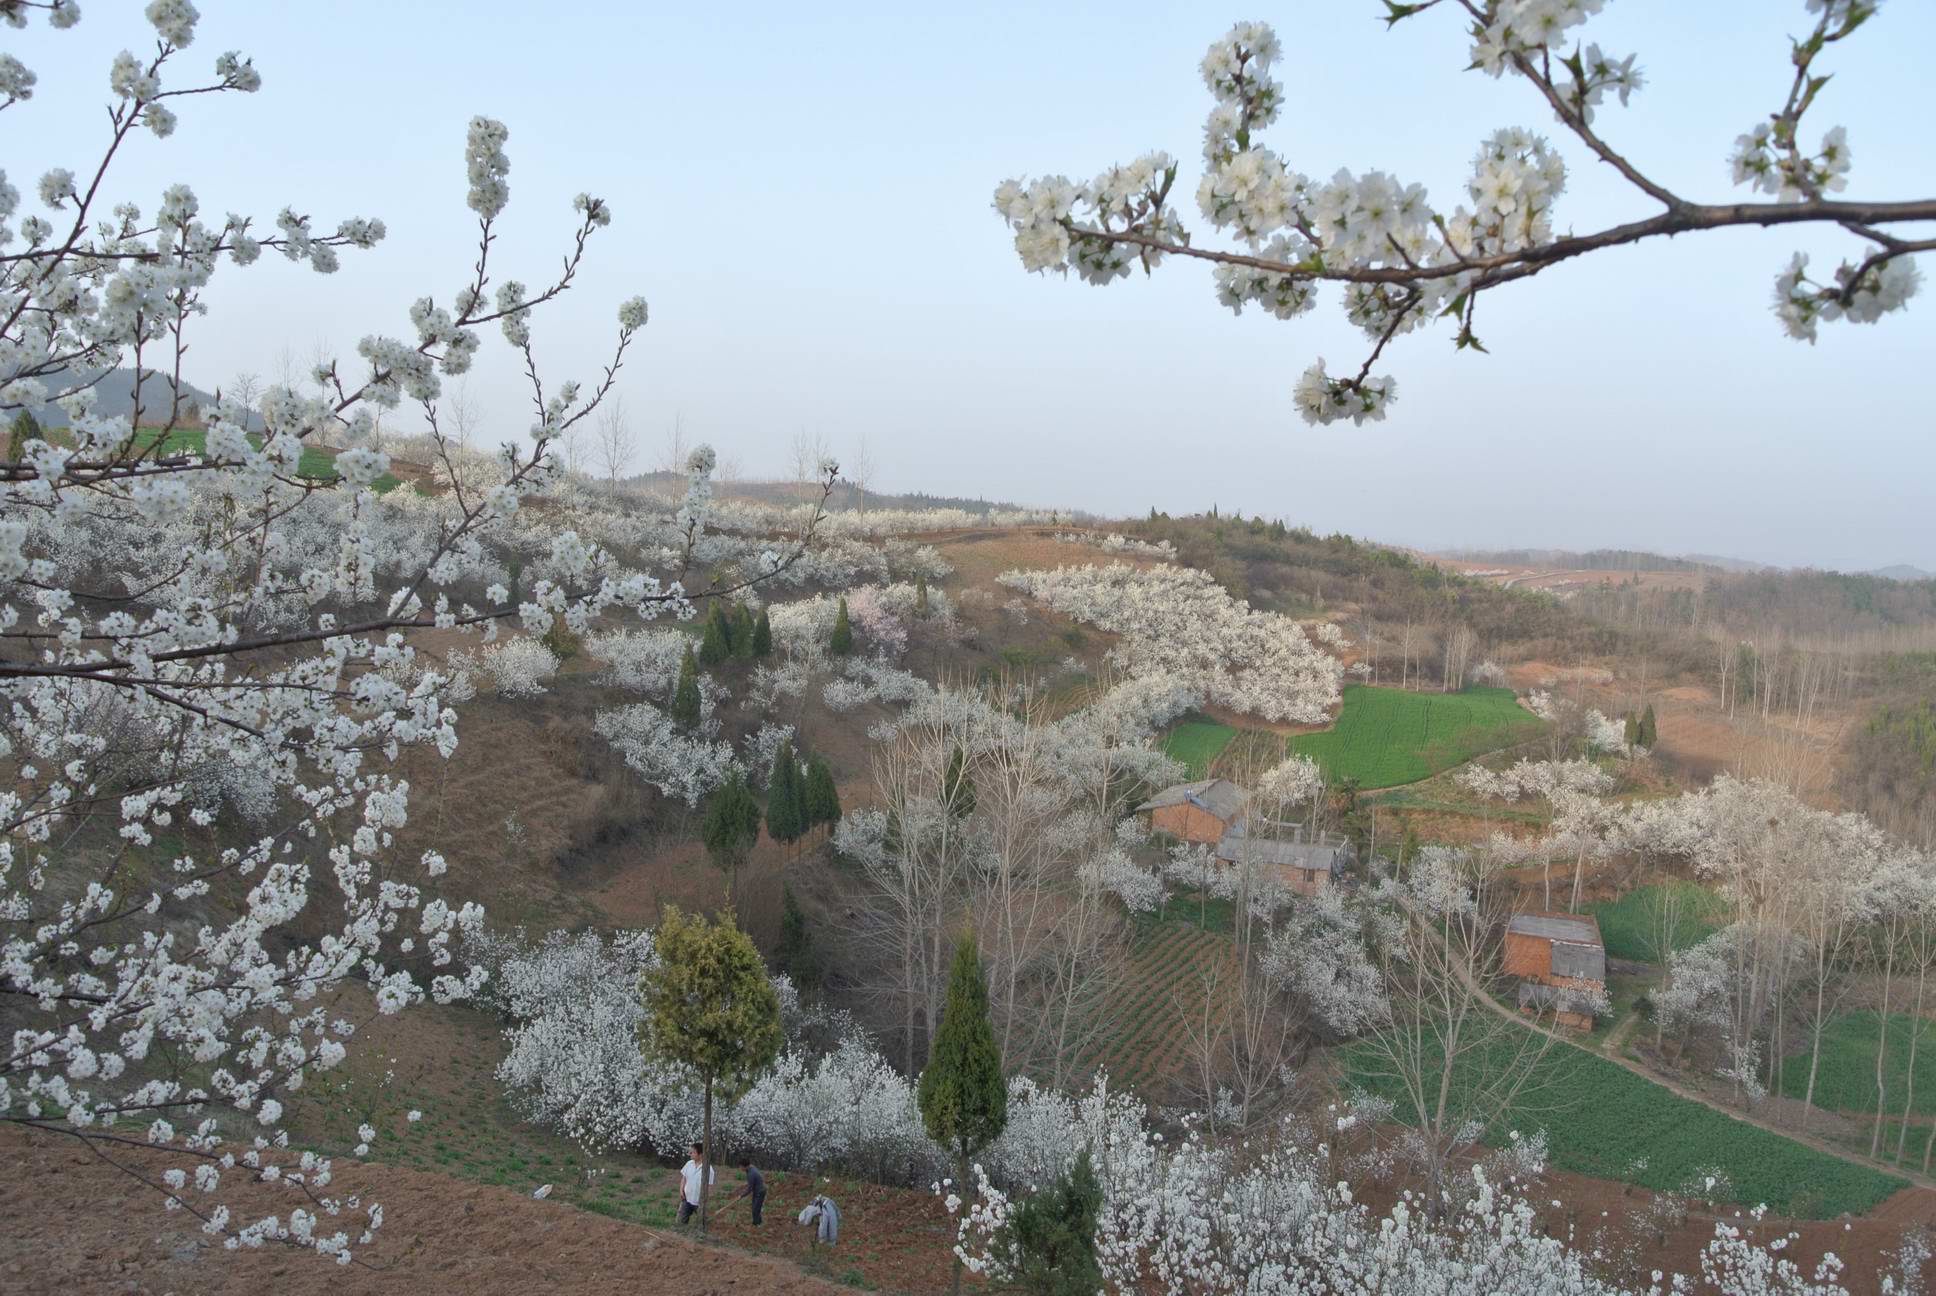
(1556, 927)
(1220, 797)
(1583, 962)
(1264, 850)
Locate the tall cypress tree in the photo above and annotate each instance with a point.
(963, 1094)
(763, 635)
(685, 698)
(743, 633)
(717, 644)
(1631, 731)
(921, 598)
(797, 955)
(786, 811)
(731, 827)
(1648, 733)
(842, 642)
(823, 798)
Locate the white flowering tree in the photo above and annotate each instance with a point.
(207, 668)
(1402, 261)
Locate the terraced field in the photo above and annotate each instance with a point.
(1145, 1042)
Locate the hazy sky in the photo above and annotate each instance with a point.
(802, 193)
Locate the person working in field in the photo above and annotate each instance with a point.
(754, 1188)
(691, 1175)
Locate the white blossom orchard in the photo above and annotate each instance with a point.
(205, 671)
(1177, 624)
(1404, 262)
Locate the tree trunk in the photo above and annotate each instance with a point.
(1882, 1049)
(961, 1190)
(1909, 1083)
(706, 1162)
(1814, 1054)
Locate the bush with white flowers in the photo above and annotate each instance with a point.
(519, 667)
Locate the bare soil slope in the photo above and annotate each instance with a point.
(443, 1235)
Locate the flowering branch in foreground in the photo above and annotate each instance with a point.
(1404, 262)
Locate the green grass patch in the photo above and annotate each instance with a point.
(1627, 924)
(1198, 743)
(1386, 736)
(1191, 909)
(1847, 1079)
(314, 462)
(1603, 1120)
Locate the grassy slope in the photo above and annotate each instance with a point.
(1624, 923)
(1603, 1120)
(1385, 736)
(1846, 1081)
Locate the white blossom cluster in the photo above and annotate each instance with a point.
(1177, 624)
(1400, 261)
(684, 766)
(1117, 543)
(209, 667)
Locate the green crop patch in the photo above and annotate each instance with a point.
(1197, 744)
(1386, 736)
(1846, 1079)
(1603, 1120)
(1629, 924)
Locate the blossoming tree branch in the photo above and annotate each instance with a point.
(1405, 262)
(194, 627)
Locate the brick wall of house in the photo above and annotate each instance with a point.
(1528, 956)
(1188, 823)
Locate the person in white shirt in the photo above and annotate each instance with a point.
(689, 1182)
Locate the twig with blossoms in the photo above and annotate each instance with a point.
(1402, 261)
(205, 642)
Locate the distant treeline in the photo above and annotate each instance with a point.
(845, 495)
(1803, 603)
(1592, 560)
(1407, 605)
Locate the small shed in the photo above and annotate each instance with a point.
(1199, 812)
(1557, 957)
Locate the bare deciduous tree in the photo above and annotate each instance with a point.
(246, 390)
(860, 469)
(615, 449)
(805, 454)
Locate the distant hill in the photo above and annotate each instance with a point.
(1903, 572)
(1591, 560)
(114, 395)
(845, 495)
(1735, 565)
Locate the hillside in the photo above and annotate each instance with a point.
(114, 393)
(1226, 643)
